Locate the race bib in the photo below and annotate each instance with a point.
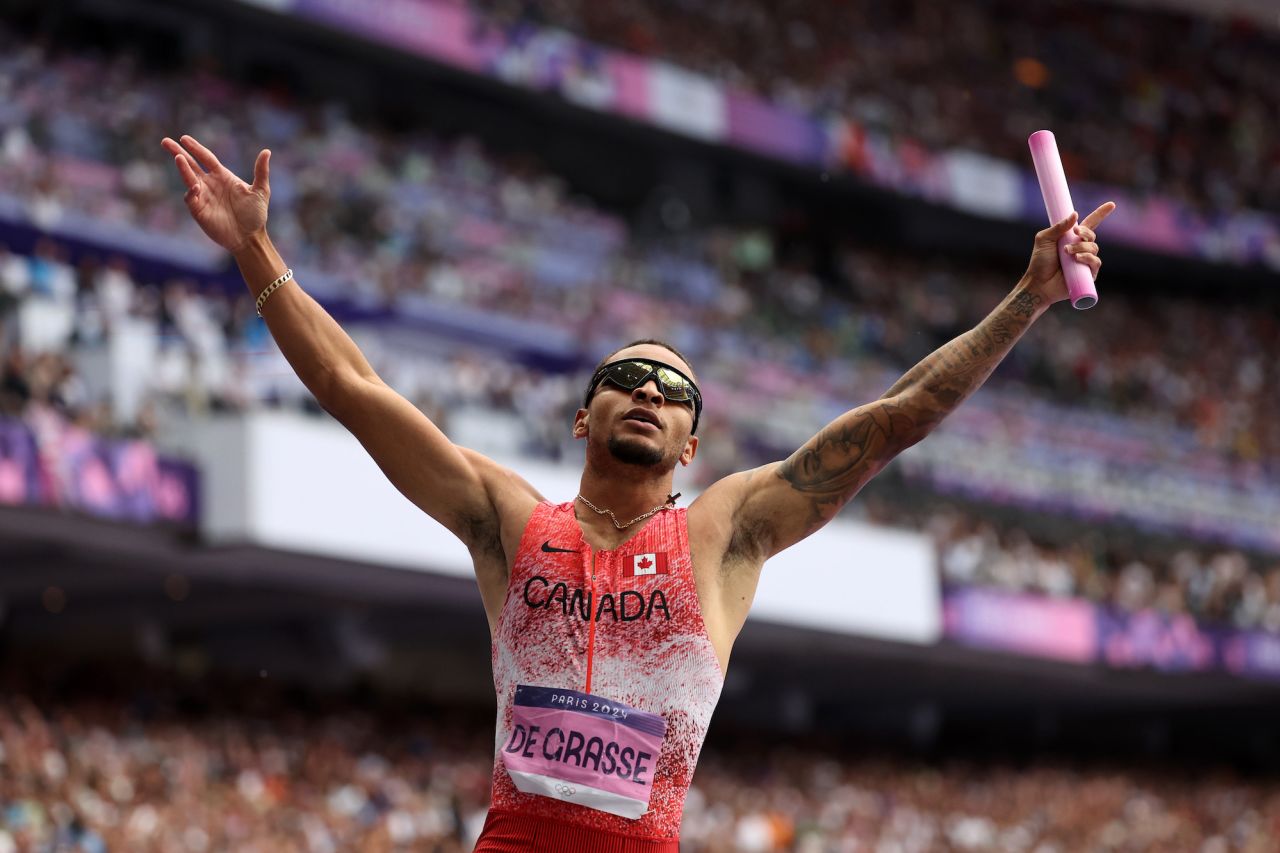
(583, 749)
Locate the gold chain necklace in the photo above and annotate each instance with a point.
(670, 501)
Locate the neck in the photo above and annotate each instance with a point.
(628, 493)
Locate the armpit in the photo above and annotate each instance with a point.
(482, 536)
(749, 542)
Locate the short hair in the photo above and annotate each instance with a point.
(652, 342)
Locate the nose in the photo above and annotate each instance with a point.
(650, 392)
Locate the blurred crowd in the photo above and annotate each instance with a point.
(404, 219)
(818, 803)
(214, 355)
(100, 777)
(108, 775)
(816, 349)
(1223, 587)
(411, 219)
(1114, 83)
(57, 320)
(208, 352)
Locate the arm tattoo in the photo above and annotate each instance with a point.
(964, 364)
(834, 464)
(1024, 304)
(849, 451)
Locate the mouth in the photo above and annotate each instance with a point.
(643, 416)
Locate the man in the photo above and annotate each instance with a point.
(612, 615)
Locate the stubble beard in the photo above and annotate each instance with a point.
(634, 452)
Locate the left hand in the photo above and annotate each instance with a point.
(1044, 273)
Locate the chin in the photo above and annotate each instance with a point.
(635, 451)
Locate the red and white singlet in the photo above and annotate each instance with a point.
(624, 625)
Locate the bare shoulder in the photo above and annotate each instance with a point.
(511, 496)
(494, 536)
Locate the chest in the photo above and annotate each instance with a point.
(606, 587)
(624, 621)
(567, 595)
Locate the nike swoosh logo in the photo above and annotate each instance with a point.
(550, 549)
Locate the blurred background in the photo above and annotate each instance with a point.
(1053, 626)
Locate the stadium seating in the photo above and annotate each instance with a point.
(482, 287)
(141, 775)
(1133, 115)
(414, 221)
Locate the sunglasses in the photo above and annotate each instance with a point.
(632, 373)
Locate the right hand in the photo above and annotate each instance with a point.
(230, 211)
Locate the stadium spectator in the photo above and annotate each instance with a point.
(1147, 123)
(522, 246)
(395, 217)
(103, 774)
(1222, 587)
(457, 228)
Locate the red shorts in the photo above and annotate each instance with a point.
(512, 832)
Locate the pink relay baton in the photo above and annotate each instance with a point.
(1057, 201)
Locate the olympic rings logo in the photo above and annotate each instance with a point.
(565, 790)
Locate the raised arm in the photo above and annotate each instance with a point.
(776, 506)
(461, 489)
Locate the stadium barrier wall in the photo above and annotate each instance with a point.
(46, 461)
(286, 481)
(1081, 632)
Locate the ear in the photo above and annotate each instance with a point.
(690, 450)
(580, 424)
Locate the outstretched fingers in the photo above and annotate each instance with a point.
(1086, 227)
(189, 176)
(1093, 220)
(1086, 250)
(187, 168)
(203, 155)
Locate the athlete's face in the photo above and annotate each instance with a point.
(640, 427)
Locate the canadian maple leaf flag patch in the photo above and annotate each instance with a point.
(649, 564)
